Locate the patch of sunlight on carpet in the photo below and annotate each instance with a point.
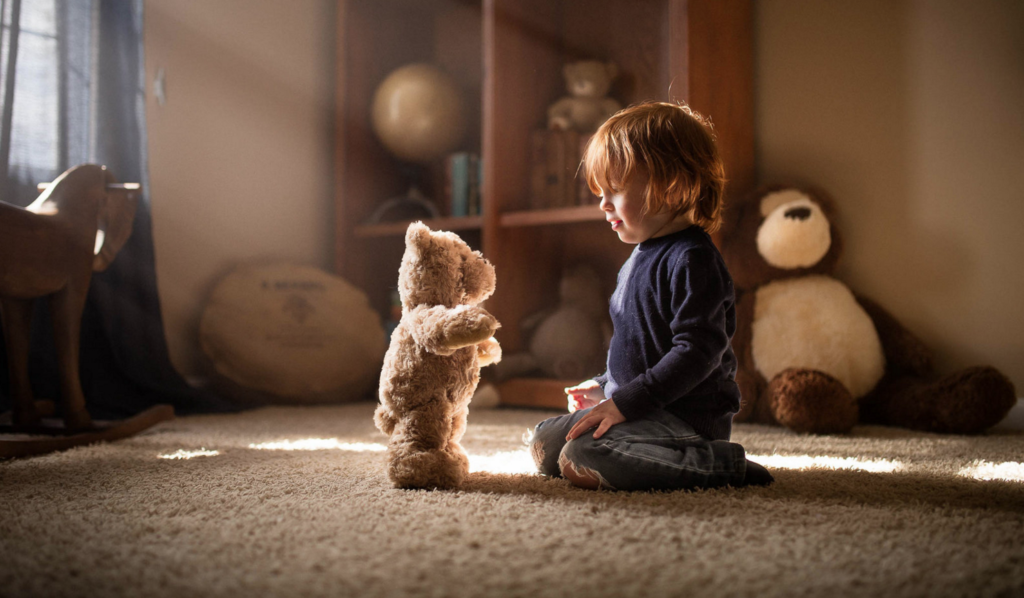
(826, 462)
(183, 454)
(318, 444)
(518, 461)
(1010, 471)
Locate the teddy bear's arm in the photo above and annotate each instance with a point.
(442, 330)
(560, 114)
(904, 352)
(488, 352)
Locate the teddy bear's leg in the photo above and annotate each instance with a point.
(965, 402)
(420, 455)
(453, 447)
(459, 424)
(809, 401)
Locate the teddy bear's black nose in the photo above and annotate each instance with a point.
(798, 213)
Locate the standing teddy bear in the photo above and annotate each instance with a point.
(587, 106)
(433, 363)
(815, 357)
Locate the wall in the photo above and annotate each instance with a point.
(908, 112)
(911, 114)
(240, 154)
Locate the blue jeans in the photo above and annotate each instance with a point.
(660, 452)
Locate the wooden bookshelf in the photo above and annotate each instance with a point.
(507, 57)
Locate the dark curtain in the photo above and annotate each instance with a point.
(73, 85)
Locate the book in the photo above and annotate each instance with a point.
(457, 183)
(475, 178)
(570, 141)
(556, 176)
(538, 169)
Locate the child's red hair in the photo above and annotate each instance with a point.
(674, 146)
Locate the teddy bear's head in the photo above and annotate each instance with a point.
(589, 78)
(781, 232)
(438, 268)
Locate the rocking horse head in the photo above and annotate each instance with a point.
(88, 194)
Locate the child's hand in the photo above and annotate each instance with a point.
(584, 395)
(604, 416)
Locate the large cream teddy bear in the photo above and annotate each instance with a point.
(433, 364)
(816, 357)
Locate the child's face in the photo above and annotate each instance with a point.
(622, 209)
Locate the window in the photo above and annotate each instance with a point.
(47, 98)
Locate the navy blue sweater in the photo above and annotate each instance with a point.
(674, 315)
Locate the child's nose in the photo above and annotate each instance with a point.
(605, 204)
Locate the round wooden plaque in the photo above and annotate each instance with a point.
(293, 332)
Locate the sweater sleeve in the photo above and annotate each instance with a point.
(698, 296)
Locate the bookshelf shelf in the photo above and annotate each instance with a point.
(388, 229)
(544, 393)
(552, 216)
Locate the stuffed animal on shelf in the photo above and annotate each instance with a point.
(433, 363)
(569, 342)
(587, 106)
(815, 357)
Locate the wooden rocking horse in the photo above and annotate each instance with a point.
(50, 249)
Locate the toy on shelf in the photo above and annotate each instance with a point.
(587, 106)
(569, 342)
(50, 250)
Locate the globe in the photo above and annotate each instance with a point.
(418, 113)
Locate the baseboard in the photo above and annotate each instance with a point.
(1014, 420)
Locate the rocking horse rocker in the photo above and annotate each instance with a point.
(50, 249)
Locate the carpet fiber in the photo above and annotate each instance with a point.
(294, 502)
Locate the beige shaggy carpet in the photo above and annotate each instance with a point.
(293, 502)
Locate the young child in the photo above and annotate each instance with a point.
(662, 413)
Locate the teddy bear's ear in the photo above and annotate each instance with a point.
(417, 235)
(611, 69)
(477, 277)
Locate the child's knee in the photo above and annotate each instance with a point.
(571, 464)
(544, 451)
